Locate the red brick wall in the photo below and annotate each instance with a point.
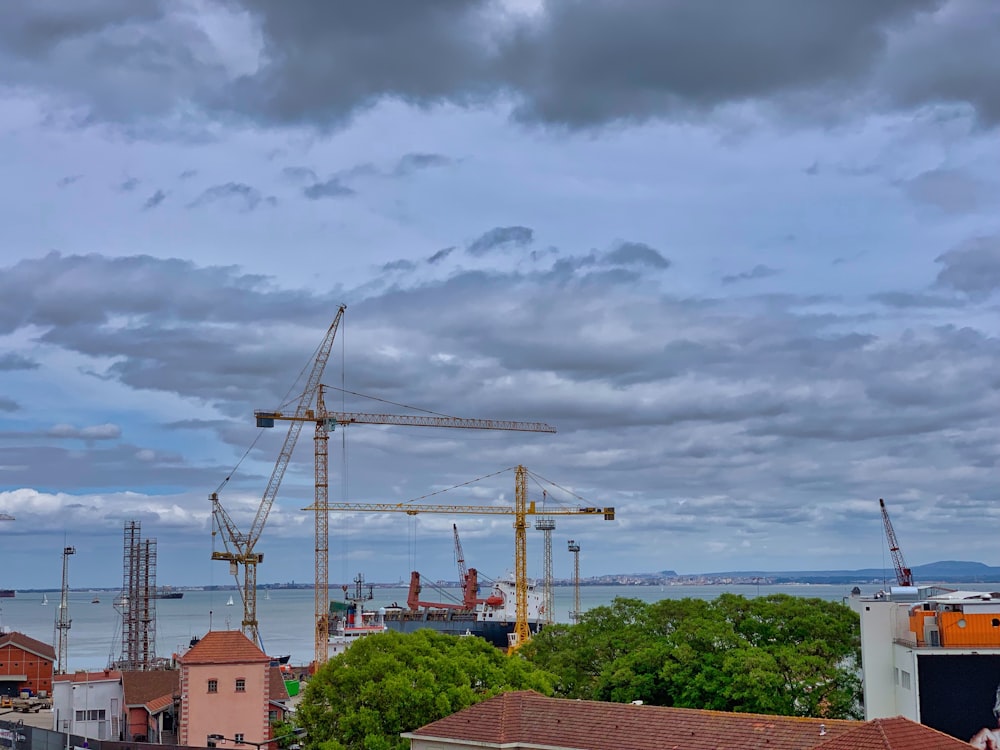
(15, 660)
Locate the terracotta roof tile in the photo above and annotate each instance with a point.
(224, 647)
(276, 685)
(143, 687)
(107, 674)
(893, 734)
(28, 643)
(158, 704)
(527, 717)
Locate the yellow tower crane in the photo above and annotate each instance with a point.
(326, 421)
(239, 546)
(521, 510)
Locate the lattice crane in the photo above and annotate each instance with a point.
(239, 547)
(521, 510)
(903, 575)
(325, 421)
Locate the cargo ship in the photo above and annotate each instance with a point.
(6, 593)
(492, 617)
(168, 592)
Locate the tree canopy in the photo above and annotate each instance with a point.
(390, 683)
(777, 654)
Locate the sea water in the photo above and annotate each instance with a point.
(286, 615)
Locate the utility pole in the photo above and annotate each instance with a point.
(575, 549)
(63, 622)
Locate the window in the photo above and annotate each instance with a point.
(81, 715)
(906, 679)
(241, 685)
(238, 737)
(213, 686)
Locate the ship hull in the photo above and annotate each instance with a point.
(454, 622)
(6, 593)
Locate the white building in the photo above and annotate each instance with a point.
(88, 704)
(932, 655)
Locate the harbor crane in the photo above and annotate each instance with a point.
(903, 575)
(521, 510)
(326, 421)
(239, 546)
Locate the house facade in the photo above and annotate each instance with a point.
(151, 701)
(225, 692)
(88, 704)
(25, 665)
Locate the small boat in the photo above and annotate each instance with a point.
(45, 599)
(230, 602)
(95, 600)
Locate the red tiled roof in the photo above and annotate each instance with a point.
(107, 674)
(158, 704)
(27, 643)
(526, 717)
(893, 734)
(143, 687)
(276, 690)
(224, 647)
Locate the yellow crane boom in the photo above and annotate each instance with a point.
(521, 510)
(327, 420)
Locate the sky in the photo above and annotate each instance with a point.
(744, 257)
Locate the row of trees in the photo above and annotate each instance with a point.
(774, 655)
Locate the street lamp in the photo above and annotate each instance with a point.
(299, 732)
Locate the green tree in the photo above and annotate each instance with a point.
(778, 654)
(390, 683)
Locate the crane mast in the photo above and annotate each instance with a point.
(327, 420)
(903, 575)
(240, 547)
(521, 509)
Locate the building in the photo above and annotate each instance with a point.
(932, 655)
(277, 695)
(525, 719)
(151, 700)
(225, 685)
(25, 665)
(88, 704)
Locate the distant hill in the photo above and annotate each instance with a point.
(945, 571)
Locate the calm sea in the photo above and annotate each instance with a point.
(285, 615)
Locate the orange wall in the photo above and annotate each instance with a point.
(14, 660)
(225, 712)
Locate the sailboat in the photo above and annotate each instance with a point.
(45, 599)
(267, 593)
(230, 602)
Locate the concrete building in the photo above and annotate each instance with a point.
(225, 691)
(151, 702)
(932, 655)
(524, 719)
(89, 704)
(25, 665)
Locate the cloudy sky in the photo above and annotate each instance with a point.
(743, 256)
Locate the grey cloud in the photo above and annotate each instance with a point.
(501, 237)
(949, 190)
(398, 265)
(637, 253)
(906, 300)
(410, 163)
(96, 432)
(68, 180)
(757, 272)
(154, 200)
(299, 174)
(14, 361)
(8, 404)
(187, 174)
(578, 64)
(247, 197)
(972, 268)
(440, 255)
(127, 186)
(332, 188)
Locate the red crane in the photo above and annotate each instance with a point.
(903, 575)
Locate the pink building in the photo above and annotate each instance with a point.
(225, 690)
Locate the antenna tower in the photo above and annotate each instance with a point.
(62, 618)
(546, 524)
